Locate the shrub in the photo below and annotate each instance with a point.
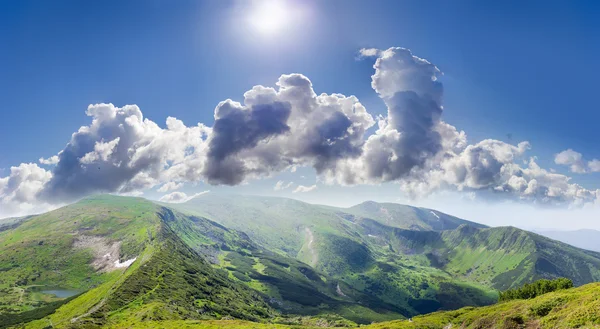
(537, 288)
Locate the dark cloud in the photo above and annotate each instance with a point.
(238, 128)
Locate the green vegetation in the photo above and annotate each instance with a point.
(537, 288)
(276, 262)
(414, 259)
(40, 251)
(562, 309)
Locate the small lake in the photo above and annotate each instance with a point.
(61, 293)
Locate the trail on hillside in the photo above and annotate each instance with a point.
(313, 253)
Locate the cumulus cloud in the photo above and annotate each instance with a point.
(288, 126)
(304, 189)
(281, 185)
(170, 186)
(120, 151)
(576, 162)
(19, 190)
(278, 129)
(180, 197)
(49, 161)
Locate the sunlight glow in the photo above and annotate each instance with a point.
(269, 16)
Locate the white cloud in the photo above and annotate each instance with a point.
(576, 162)
(368, 52)
(49, 161)
(304, 189)
(281, 185)
(19, 190)
(170, 186)
(180, 197)
(102, 151)
(288, 126)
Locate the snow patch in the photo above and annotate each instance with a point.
(124, 264)
(436, 215)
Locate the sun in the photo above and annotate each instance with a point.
(269, 16)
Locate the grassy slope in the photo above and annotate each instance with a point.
(38, 253)
(291, 286)
(374, 259)
(410, 257)
(507, 257)
(170, 281)
(572, 308)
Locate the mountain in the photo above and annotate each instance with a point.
(386, 262)
(119, 258)
(127, 262)
(345, 241)
(585, 239)
(107, 259)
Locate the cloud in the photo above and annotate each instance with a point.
(170, 186)
(120, 151)
(304, 189)
(49, 161)
(19, 190)
(180, 197)
(368, 52)
(281, 185)
(278, 129)
(102, 151)
(287, 126)
(576, 162)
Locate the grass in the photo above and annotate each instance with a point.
(39, 251)
(572, 308)
(193, 268)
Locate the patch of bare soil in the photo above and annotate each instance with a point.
(106, 253)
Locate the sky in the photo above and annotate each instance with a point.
(518, 80)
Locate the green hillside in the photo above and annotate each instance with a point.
(383, 262)
(563, 309)
(116, 261)
(179, 267)
(418, 259)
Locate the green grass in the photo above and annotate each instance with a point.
(565, 309)
(248, 257)
(38, 253)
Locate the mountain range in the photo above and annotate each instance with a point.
(122, 261)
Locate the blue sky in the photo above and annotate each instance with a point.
(512, 71)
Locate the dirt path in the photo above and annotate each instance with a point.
(311, 239)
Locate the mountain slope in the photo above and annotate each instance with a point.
(127, 258)
(407, 217)
(565, 309)
(54, 250)
(507, 257)
(375, 259)
(407, 256)
(84, 246)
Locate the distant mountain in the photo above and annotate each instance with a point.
(419, 244)
(585, 239)
(410, 218)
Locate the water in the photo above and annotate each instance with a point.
(60, 293)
